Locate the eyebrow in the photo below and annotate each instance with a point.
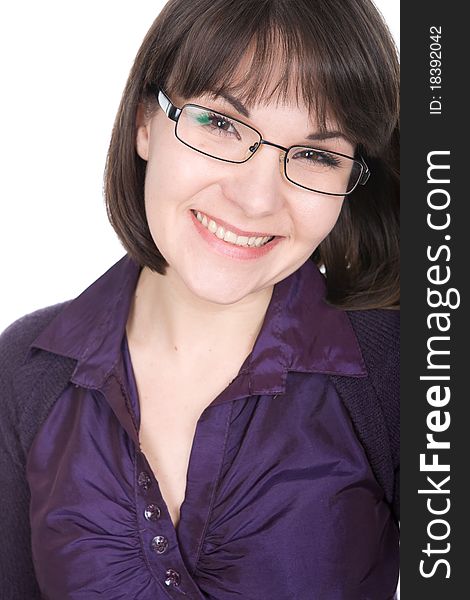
(241, 108)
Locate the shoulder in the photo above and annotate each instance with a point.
(24, 330)
(20, 379)
(378, 333)
(377, 329)
(374, 402)
(23, 406)
(17, 337)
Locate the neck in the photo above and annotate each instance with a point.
(166, 317)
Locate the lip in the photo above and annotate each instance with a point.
(231, 250)
(234, 229)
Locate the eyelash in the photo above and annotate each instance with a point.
(331, 160)
(214, 115)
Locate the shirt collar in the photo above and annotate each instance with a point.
(300, 332)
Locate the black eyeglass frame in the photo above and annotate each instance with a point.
(173, 113)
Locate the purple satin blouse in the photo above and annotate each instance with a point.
(280, 504)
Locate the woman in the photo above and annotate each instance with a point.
(214, 418)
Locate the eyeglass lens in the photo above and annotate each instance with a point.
(227, 139)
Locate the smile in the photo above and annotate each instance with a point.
(229, 236)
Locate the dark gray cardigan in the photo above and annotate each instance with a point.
(29, 388)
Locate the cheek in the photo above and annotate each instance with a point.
(317, 221)
(167, 166)
(176, 173)
(166, 188)
(175, 176)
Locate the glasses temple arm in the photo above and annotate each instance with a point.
(365, 172)
(171, 111)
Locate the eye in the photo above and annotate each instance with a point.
(317, 157)
(218, 124)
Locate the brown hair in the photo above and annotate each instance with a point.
(339, 57)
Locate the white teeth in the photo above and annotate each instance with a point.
(230, 236)
(242, 240)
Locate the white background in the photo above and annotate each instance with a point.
(63, 69)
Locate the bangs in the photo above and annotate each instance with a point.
(266, 69)
(277, 51)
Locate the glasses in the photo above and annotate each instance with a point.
(230, 140)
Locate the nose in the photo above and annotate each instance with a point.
(258, 184)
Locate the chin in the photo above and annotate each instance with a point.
(218, 294)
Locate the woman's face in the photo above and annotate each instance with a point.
(252, 199)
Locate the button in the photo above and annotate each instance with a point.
(152, 512)
(144, 480)
(159, 544)
(172, 577)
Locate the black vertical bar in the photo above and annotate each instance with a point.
(435, 272)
